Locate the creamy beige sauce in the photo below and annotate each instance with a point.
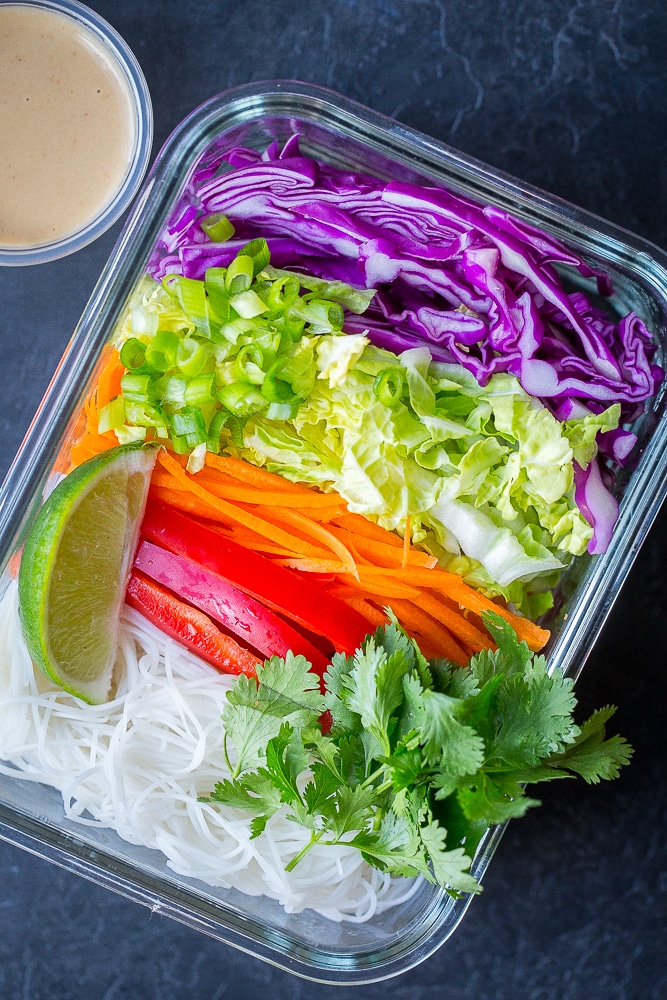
(67, 126)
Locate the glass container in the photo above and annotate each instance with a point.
(345, 134)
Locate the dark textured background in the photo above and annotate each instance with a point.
(571, 96)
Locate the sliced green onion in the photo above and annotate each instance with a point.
(111, 416)
(235, 426)
(388, 387)
(133, 354)
(283, 292)
(161, 352)
(282, 411)
(191, 295)
(190, 356)
(200, 390)
(188, 425)
(217, 227)
(236, 328)
(241, 398)
(276, 390)
(258, 251)
(248, 364)
(218, 296)
(146, 415)
(239, 275)
(179, 444)
(170, 390)
(137, 388)
(248, 304)
(218, 421)
(265, 338)
(323, 315)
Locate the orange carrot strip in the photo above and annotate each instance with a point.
(455, 622)
(239, 469)
(454, 587)
(275, 498)
(247, 497)
(108, 382)
(361, 525)
(385, 588)
(437, 636)
(321, 534)
(231, 512)
(311, 565)
(88, 445)
(87, 440)
(183, 500)
(370, 613)
(407, 538)
(382, 554)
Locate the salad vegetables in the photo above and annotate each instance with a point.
(421, 758)
(387, 421)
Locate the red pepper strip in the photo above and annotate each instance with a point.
(238, 613)
(282, 590)
(190, 627)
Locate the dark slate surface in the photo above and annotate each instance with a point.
(571, 96)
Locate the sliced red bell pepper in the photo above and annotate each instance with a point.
(237, 612)
(283, 590)
(187, 625)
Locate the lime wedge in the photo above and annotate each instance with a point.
(75, 567)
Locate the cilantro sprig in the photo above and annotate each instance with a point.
(416, 759)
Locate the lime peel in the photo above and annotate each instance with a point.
(75, 566)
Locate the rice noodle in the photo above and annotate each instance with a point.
(139, 763)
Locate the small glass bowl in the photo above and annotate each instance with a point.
(125, 62)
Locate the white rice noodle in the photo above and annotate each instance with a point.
(139, 764)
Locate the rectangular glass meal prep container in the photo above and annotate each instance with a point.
(345, 134)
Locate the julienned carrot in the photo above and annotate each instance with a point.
(359, 525)
(88, 441)
(258, 543)
(311, 565)
(108, 382)
(88, 446)
(303, 525)
(388, 555)
(372, 614)
(179, 494)
(371, 557)
(457, 589)
(317, 531)
(384, 588)
(181, 499)
(231, 511)
(248, 473)
(435, 635)
(454, 621)
(407, 538)
(240, 494)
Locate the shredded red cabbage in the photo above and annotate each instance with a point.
(477, 286)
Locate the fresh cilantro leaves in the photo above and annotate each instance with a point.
(409, 761)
